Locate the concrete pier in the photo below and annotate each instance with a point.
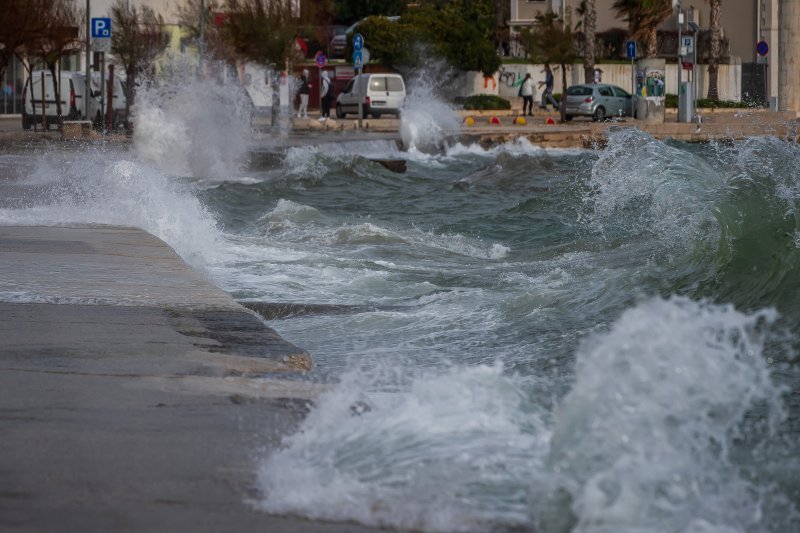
(134, 395)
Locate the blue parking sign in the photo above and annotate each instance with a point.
(101, 27)
(358, 41)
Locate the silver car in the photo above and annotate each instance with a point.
(599, 101)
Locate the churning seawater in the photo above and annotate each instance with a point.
(518, 338)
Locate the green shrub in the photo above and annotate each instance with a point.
(486, 101)
(672, 101)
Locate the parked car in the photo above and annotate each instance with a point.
(339, 41)
(72, 87)
(599, 101)
(379, 94)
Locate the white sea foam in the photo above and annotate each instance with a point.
(644, 441)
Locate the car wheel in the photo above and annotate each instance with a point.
(600, 114)
(568, 117)
(340, 112)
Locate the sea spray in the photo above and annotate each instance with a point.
(426, 119)
(647, 438)
(190, 126)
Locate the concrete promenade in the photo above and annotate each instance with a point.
(134, 395)
(714, 125)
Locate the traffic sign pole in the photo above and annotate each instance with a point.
(358, 44)
(88, 88)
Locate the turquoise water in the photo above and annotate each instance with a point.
(519, 339)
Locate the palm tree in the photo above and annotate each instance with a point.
(713, 60)
(587, 10)
(643, 18)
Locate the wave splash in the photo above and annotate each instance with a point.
(648, 437)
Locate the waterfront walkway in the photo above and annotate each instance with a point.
(135, 395)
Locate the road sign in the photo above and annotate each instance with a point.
(101, 45)
(630, 47)
(762, 48)
(320, 59)
(687, 44)
(101, 28)
(358, 41)
(358, 59)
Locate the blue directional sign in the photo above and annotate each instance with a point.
(101, 28)
(358, 59)
(762, 48)
(358, 41)
(630, 48)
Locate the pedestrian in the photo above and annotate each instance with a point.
(303, 91)
(547, 95)
(326, 92)
(526, 91)
(598, 75)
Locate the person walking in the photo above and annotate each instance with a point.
(302, 112)
(526, 91)
(326, 92)
(547, 95)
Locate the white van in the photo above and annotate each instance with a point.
(118, 99)
(380, 94)
(71, 90)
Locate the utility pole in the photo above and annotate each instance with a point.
(201, 45)
(789, 50)
(87, 91)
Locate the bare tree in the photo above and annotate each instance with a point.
(59, 24)
(137, 40)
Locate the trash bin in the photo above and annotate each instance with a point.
(685, 102)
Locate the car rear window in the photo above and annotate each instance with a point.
(378, 83)
(579, 90)
(394, 84)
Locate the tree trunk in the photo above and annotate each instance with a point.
(651, 43)
(589, 30)
(713, 60)
(130, 74)
(57, 92)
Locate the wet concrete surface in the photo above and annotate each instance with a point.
(135, 395)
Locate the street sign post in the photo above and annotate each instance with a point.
(358, 63)
(630, 50)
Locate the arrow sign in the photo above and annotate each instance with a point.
(358, 41)
(358, 59)
(630, 48)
